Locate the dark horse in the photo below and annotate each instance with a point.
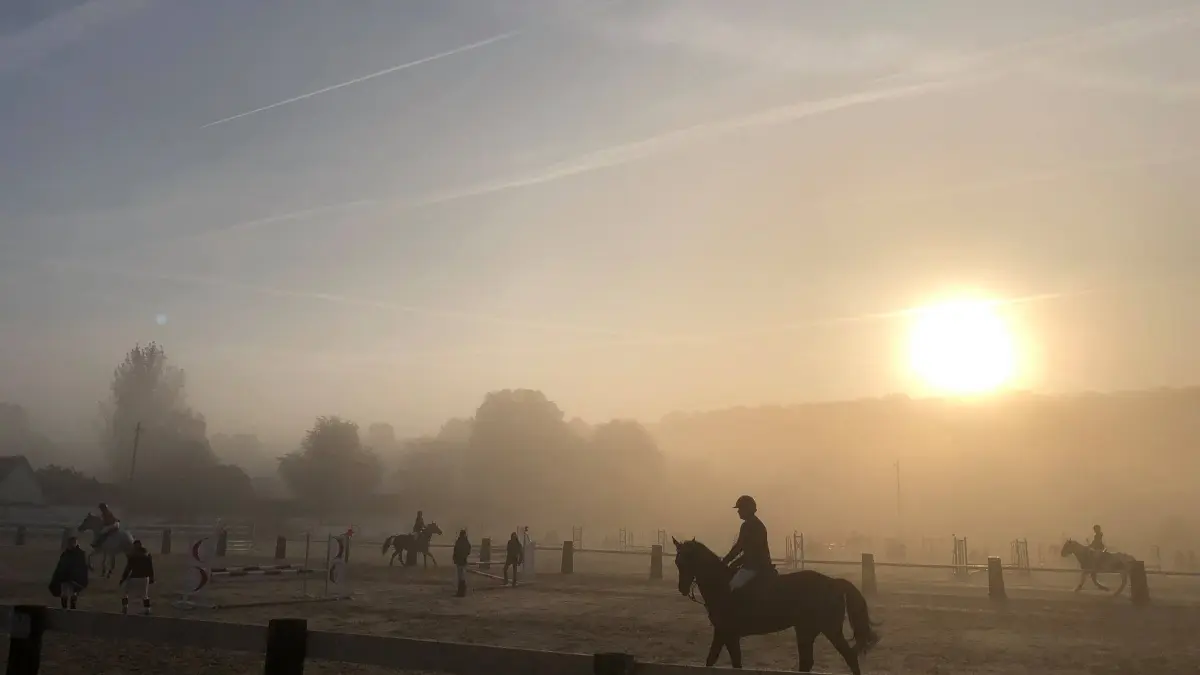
(1092, 561)
(413, 543)
(807, 601)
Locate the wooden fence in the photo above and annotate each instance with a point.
(287, 644)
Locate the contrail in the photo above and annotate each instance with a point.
(364, 78)
(987, 64)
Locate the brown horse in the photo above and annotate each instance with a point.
(808, 602)
(414, 543)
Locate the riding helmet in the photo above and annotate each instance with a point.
(746, 501)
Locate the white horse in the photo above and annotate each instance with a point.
(119, 541)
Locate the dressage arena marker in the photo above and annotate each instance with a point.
(200, 574)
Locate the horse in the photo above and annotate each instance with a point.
(417, 543)
(118, 541)
(807, 601)
(1092, 561)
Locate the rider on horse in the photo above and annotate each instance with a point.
(111, 524)
(1097, 543)
(751, 550)
(419, 523)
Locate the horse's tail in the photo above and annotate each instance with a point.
(387, 543)
(865, 636)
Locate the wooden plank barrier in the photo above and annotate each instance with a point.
(287, 645)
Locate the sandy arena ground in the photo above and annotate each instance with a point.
(931, 624)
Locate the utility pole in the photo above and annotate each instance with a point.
(899, 504)
(137, 436)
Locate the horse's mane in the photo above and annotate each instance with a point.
(697, 548)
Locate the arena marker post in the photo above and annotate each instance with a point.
(287, 645)
(165, 548)
(656, 556)
(613, 663)
(485, 553)
(25, 640)
(869, 585)
(568, 557)
(996, 579)
(280, 547)
(19, 537)
(1139, 588)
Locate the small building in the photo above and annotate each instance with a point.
(18, 483)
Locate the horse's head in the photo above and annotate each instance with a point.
(431, 529)
(90, 522)
(696, 563)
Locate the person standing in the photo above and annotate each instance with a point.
(514, 555)
(462, 551)
(70, 575)
(139, 568)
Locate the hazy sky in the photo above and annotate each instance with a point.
(635, 206)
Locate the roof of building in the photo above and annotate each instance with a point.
(10, 464)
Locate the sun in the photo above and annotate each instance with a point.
(962, 347)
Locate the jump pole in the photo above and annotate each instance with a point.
(201, 574)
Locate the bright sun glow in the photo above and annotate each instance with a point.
(962, 347)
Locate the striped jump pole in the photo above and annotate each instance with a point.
(201, 574)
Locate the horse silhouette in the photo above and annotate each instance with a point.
(118, 541)
(415, 543)
(1092, 561)
(807, 601)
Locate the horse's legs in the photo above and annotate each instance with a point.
(430, 556)
(1096, 582)
(804, 649)
(1082, 578)
(734, 645)
(714, 650)
(844, 648)
(1124, 581)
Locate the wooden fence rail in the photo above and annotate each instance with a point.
(287, 643)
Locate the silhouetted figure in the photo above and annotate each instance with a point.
(751, 553)
(412, 544)
(110, 524)
(70, 575)
(1092, 561)
(808, 601)
(514, 555)
(139, 568)
(419, 523)
(462, 551)
(1097, 543)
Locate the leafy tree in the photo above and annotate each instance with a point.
(148, 390)
(627, 457)
(331, 469)
(519, 452)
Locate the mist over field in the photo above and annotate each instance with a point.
(608, 264)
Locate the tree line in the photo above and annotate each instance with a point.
(516, 457)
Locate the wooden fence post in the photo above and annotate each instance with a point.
(613, 664)
(869, 586)
(485, 553)
(222, 542)
(995, 571)
(280, 547)
(1139, 588)
(166, 541)
(287, 645)
(19, 537)
(656, 553)
(568, 557)
(25, 640)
